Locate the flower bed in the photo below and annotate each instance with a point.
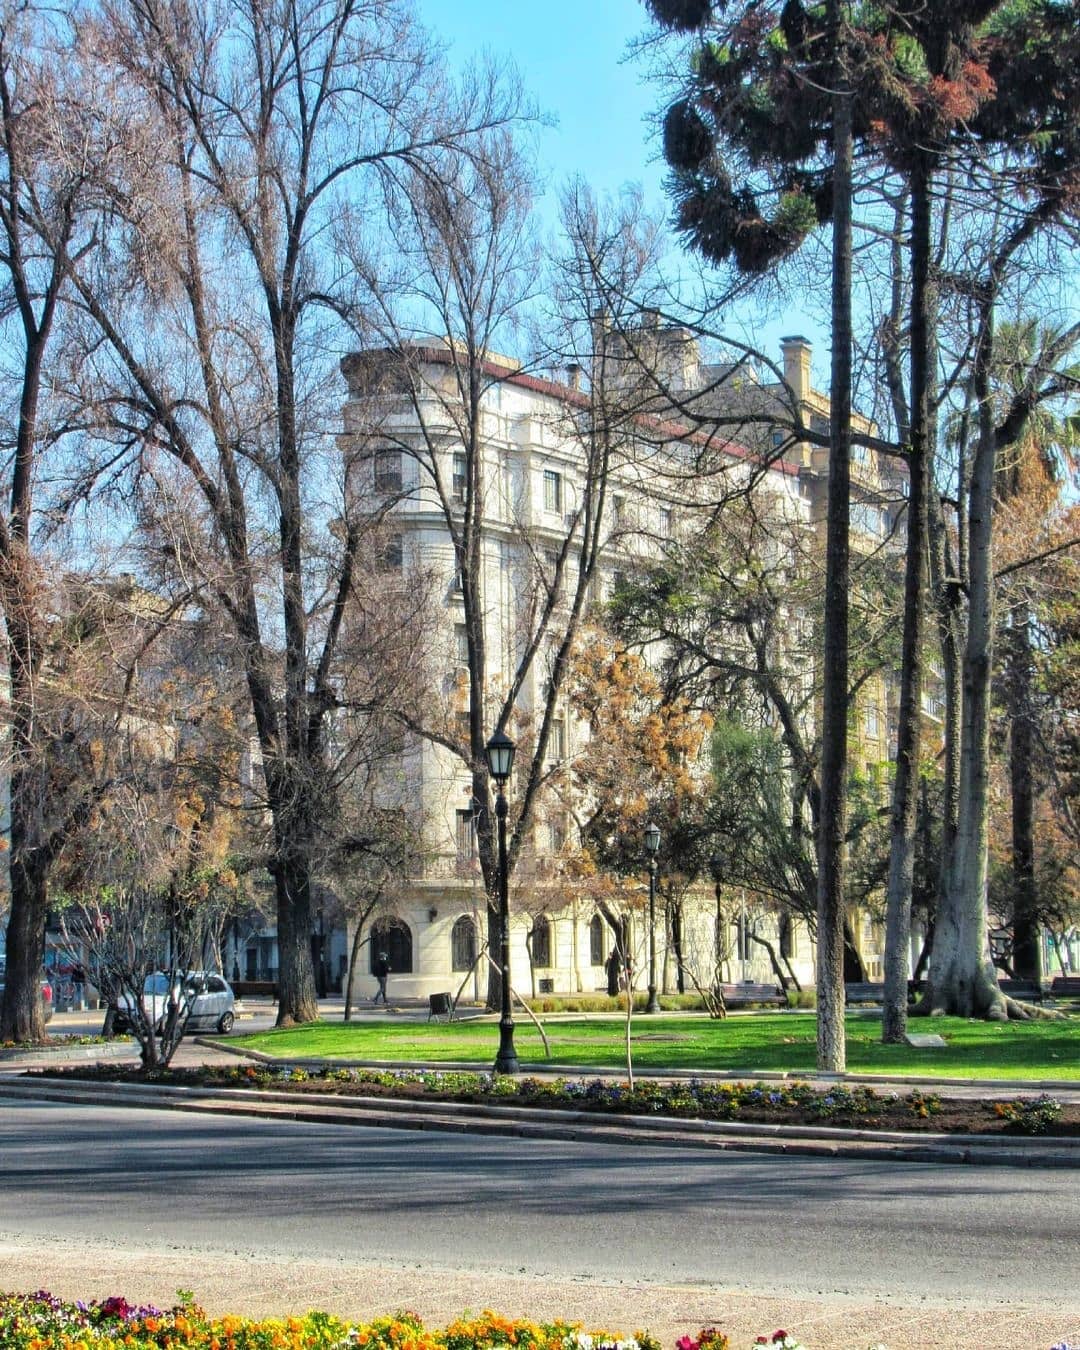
(780, 1103)
(39, 1321)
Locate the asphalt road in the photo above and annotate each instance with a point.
(562, 1211)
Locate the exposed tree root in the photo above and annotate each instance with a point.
(1032, 1012)
(997, 1008)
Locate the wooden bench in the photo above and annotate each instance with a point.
(1027, 991)
(1065, 986)
(736, 995)
(254, 988)
(440, 1005)
(873, 991)
(865, 991)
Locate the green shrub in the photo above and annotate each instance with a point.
(611, 1003)
(1030, 1115)
(801, 998)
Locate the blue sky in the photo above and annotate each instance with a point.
(572, 56)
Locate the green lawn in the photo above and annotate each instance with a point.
(784, 1042)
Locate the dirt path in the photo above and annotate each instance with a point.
(238, 1282)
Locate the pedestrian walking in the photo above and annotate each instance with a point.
(381, 970)
(78, 986)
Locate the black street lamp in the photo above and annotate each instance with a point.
(500, 760)
(652, 844)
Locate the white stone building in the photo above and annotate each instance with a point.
(409, 464)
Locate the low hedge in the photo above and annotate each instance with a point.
(609, 1003)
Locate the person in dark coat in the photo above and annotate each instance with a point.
(614, 969)
(381, 971)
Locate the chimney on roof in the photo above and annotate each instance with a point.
(573, 375)
(797, 364)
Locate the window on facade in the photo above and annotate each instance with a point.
(778, 439)
(618, 510)
(463, 944)
(552, 490)
(461, 644)
(596, 941)
(387, 472)
(461, 724)
(866, 518)
(466, 837)
(551, 566)
(393, 553)
(393, 937)
(541, 942)
(787, 936)
(872, 721)
(667, 522)
(557, 744)
(557, 833)
(460, 477)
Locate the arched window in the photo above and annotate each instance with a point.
(596, 940)
(463, 944)
(787, 935)
(393, 937)
(541, 941)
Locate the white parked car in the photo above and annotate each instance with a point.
(210, 995)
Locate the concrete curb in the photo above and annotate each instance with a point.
(526, 1122)
(99, 1050)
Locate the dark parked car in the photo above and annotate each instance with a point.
(212, 1002)
(46, 993)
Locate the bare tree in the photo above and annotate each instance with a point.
(46, 216)
(427, 386)
(264, 127)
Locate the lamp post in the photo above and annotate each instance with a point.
(499, 752)
(652, 844)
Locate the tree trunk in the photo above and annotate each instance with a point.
(676, 927)
(950, 627)
(23, 1016)
(777, 969)
(831, 1046)
(1025, 948)
(854, 967)
(354, 953)
(909, 725)
(924, 954)
(962, 980)
(297, 1001)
